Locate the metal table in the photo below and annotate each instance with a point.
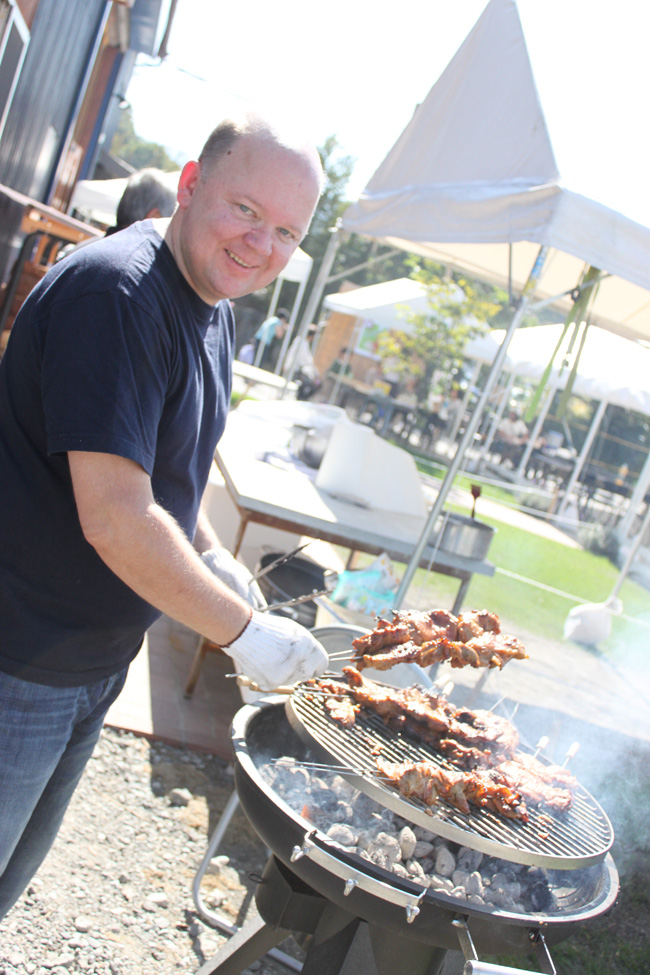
(290, 501)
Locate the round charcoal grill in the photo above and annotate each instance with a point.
(582, 837)
(360, 917)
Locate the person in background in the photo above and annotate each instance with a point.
(247, 353)
(268, 338)
(299, 364)
(114, 391)
(147, 195)
(512, 434)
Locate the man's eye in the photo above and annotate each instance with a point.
(244, 208)
(284, 232)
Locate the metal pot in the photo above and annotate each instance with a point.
(462, 536)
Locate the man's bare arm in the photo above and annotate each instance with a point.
(143, 545)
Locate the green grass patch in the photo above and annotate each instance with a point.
(525, 606)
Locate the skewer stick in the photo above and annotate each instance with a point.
(279, 561)
(318, 767)
(296, 601)
(572, 752)
(541, 745)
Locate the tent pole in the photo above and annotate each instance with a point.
(632, 554)
(636, 499)
(537, 427)
(581, 460)
(316, 293)
(470, 430)
(504, 398)
(466, 398)
(288, 335)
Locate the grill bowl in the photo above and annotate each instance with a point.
(261, 732)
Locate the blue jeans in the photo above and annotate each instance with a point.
(47, 735)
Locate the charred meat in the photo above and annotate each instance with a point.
(472, 639)
(485, 789)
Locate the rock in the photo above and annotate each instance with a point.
(407, 842)
(83, 924)
(445, 862)
(342, 834)
(179, 797)
(386, 844)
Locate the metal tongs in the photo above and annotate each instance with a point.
(279, 561)
(307, 597)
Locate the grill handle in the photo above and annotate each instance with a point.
(474, 966)
(353, 878)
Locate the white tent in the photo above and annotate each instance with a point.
(383, 303)
(523, 183)
(496, 156)
(97, 199)
(610, 369)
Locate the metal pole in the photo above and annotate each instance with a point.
(316, 293)
(638, 494)
(580, 462)
(632, 554)
(468, 435)
(288, 335)
(537, 427)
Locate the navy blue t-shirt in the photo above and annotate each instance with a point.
(112, 352)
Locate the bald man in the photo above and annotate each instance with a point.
(114, 392)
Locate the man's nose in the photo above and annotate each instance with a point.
(259, 238)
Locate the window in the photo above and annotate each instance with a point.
(14, 38)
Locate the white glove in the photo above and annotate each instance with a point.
(274, 650)
(235, 575)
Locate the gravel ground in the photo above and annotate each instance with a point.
(114, 896)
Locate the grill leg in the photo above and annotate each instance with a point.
(362, 949)
(390, 950)
(252, 941)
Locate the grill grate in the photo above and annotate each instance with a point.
(582, 837)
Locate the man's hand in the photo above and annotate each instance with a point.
(235, 575)
(274, 651)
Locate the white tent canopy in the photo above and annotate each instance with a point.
(381, 303)
(497, 166)
(97, 199)
(611, 369)
(497, 160)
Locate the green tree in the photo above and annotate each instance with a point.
(137, 152)
(459, 310)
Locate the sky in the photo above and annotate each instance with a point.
(357, 69)
(349, 68)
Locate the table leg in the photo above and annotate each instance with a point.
(239, 538)
(460, 595)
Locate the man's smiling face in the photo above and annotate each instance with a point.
(242, 216)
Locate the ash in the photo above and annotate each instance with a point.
(361, 826)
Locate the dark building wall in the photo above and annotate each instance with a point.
(63, 36)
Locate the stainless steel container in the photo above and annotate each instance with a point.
(462, 535)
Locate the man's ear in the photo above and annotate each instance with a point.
(189, 180)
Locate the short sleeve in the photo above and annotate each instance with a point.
(105, 365)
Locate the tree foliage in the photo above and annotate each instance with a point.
(137, 152)
(435, 341)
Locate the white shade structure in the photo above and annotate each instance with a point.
(524, 182)
(611, 369)
(500, 159)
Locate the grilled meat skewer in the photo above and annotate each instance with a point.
(473, 639)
